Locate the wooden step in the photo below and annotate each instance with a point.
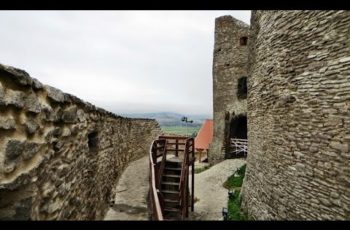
(169, 191)
(172, 216)
(171, 201)
(172, 176)
(174, 160)
(172, 219)
(170, 183)
(173, 169)
(168, 209)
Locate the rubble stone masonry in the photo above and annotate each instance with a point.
(298, 164)
(60, 157)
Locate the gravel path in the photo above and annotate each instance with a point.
(210, 192)
(131, 193)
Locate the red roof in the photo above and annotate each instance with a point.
(205, 135)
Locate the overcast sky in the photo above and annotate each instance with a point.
(122, 61)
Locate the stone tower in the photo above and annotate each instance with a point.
(229, 83)
(298, 164)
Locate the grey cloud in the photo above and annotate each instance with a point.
(119, 60)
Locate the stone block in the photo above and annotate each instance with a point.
(9, 166)
(81, 115)
(298, 154)
(54, 133)
(302, 146)
(339, 146)
(32, 103)
(334, 195)
(44, 207)
(15, 98)
(330, 153)
(57, 146)
(66, 132)
(62, 170)
(31, 126)
(344, 59)
(30, 149)
(7, 123)
(50, 115)
(37, 84)
(347, 138)
(14, 149)
(69, 115)
(2, 95)
(313, 149)
(48, 189)
(325, 202)
(17, 75)
(54, 94)
(336, 202)
(53, 207)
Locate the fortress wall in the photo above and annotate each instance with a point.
(60, 157)
(298, 165)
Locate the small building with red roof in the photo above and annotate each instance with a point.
(204, 138)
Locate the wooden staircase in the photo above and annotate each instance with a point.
(170, 184)
(170, 160)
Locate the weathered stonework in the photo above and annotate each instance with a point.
(60, 157)
(298, 164)
(229, 65)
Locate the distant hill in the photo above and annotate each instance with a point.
(171, 119)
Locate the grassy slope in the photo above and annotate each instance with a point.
(234, 203)
(180, 130)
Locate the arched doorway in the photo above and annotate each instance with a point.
(238, 127)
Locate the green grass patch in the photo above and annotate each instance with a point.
(180, 130)
(241, 170)
(234, 182)
(234, 208)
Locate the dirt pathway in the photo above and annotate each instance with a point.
(210, 192)
(131, 193)
(132, 190)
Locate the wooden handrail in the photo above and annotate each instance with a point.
(156, 208)
(172, 137)
(184, 186)
(162, 164)
(192, 172)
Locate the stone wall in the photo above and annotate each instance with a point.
(60, 157)
(229, 64)
(298, 165)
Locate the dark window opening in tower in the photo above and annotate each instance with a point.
(243, 41)
(242, 88)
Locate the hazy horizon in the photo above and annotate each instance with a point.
(209, 116)
(121, 61)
